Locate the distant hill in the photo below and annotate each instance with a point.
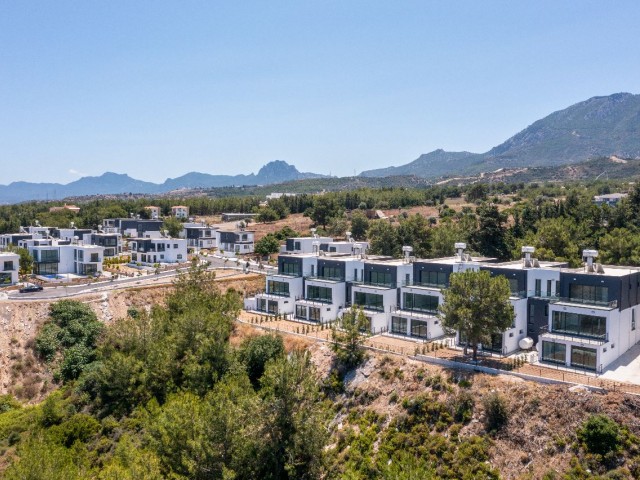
(113, 183)
(600, 126)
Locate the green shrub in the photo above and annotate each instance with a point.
(600, 434)
(462, 407)
(496, 411)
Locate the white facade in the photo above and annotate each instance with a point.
(150, 251)
(59, 259)
(240, 242)
(180, 211)
(9, 268)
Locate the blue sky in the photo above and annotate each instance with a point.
(158, 89)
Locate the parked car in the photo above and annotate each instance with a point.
(31, 288)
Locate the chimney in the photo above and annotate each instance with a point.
(313, 232)
(357, 249)
(406, 250)
(589, 256)
(527, 255)
(348, 235)
(315, 247)
(460, 248)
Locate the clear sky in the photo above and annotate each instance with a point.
(158, 89)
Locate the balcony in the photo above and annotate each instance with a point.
(582, 338)
(314, 301)
(609, 305)
(438, 286)
(363, 283)
(325, 279)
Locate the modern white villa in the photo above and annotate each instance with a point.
(581, 318)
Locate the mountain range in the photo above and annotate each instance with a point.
(607, 126)
(598, 127)
(114, 183)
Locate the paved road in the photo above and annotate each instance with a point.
(61, 291)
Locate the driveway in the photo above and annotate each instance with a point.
(626, 368)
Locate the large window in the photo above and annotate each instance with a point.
(290, 268)
(421, 303)
(579, 325)
(320, 294)
(418, 328)
(583, 357)
(8, 266)
(399, 325)
(49, 256)
(554, 352)
(594, 294)
(301, 312)
(370, 301)
(45, 268)
(314, 314)
(95, 257)
(273, 307)
(513, 285)
(380, 278)
(434, 278)
(331, 273)
(5, 278)
(278, 288)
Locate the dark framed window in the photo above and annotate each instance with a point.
(371, 301)
(380, 278)
(579, 325)
(320, 294)
(419, 328)
(596, 294)
(399, 325)
(290, 268)
(278, 288)
(584, 357)
(8, 266)
(314, 314)
(554, 352)
(273, 307)
(421, 303)
(331, 273)
(301, 312)
(434, 278)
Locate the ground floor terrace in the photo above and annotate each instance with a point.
(445, 350)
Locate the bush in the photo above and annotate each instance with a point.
(496, 412)
(255, 352)
(600, 434)
(462, 407)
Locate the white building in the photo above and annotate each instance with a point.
(9, 268)
(60, 259)
(199, 236)
(154, 212)
(149, 251)
(593, 320)
(180, 211)
(240, 241)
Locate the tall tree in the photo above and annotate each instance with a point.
(477, 306)
(491, 238)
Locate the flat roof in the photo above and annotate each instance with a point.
(519, 265)
(609, 271)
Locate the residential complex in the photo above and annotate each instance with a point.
(581, 318)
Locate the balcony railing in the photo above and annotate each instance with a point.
(575, 336)
(364, 283)
(319, 301)
(425, 285)
(324, 278)
(585, 301)
(288, 275)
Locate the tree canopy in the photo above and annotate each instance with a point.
(477, 305)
